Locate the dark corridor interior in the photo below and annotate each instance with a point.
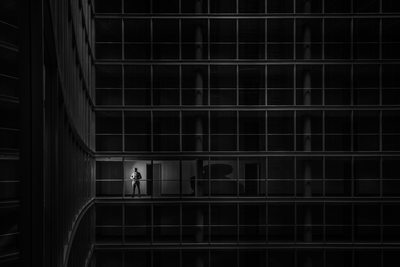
(200, 133)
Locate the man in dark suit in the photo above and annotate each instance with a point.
(135, 177)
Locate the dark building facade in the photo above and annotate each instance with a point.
(47, 160)
(266, 133)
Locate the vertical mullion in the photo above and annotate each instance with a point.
(324, 222)
(151, 111)
(352, 38)
(151, 38)
(352, 137)
(266, 222)
(180, 128)
(323, 178)
(237, 85)
(123, 117)
(209, 129)
(237, 37)
(352, 222)
(380, 131)
(265, 37)
(294, 41)
(323, 39)
(180, 37)
(323, 85)
(381, 176)
(323, 113)
(152, 222)
(381, 239)
(237, 129)
(352, 84)
(123, 181)
(295, 216)
(237, 224)
(123, 222)
(295, 111)
(123, 38)
(266, 111)
(380, 103)
(352, 187)
(208, 40)
(180, 217)
(209, 224)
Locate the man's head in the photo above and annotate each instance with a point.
(135, 169)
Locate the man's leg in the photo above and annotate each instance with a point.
(136, 185)
(133, 189)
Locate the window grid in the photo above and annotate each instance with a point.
(294, 224)
(275, 22)
(343, 142)
(177, 7)
(376, 135)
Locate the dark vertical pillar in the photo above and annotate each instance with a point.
(199, 84)
(307, 133)
(32, 95)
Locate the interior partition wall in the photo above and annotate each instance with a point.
(266, 132)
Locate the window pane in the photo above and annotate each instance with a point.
(108, 77)
(337, 6)
(192, 6)
(109, 170)
(137, 6)
(108, 30)
(223, 6)
(161, 6)
(223, 122)
(108, 122)
(280, 168)
(306, 6)
(280, 30)
(280, 6)
(280, 77)
(166, 30)
(222, 30)
(251, 30)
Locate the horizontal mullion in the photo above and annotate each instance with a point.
(245, 16)
(246, 200)
(267, 62)
(177, 154)
(245, 108)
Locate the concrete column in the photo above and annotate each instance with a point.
(307, 133)
(199, 84)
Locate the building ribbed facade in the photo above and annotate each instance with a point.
(47, 162)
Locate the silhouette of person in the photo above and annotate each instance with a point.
(135, 177)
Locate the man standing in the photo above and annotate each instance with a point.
(135, 177)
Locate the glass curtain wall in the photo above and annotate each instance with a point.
(268, 126)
